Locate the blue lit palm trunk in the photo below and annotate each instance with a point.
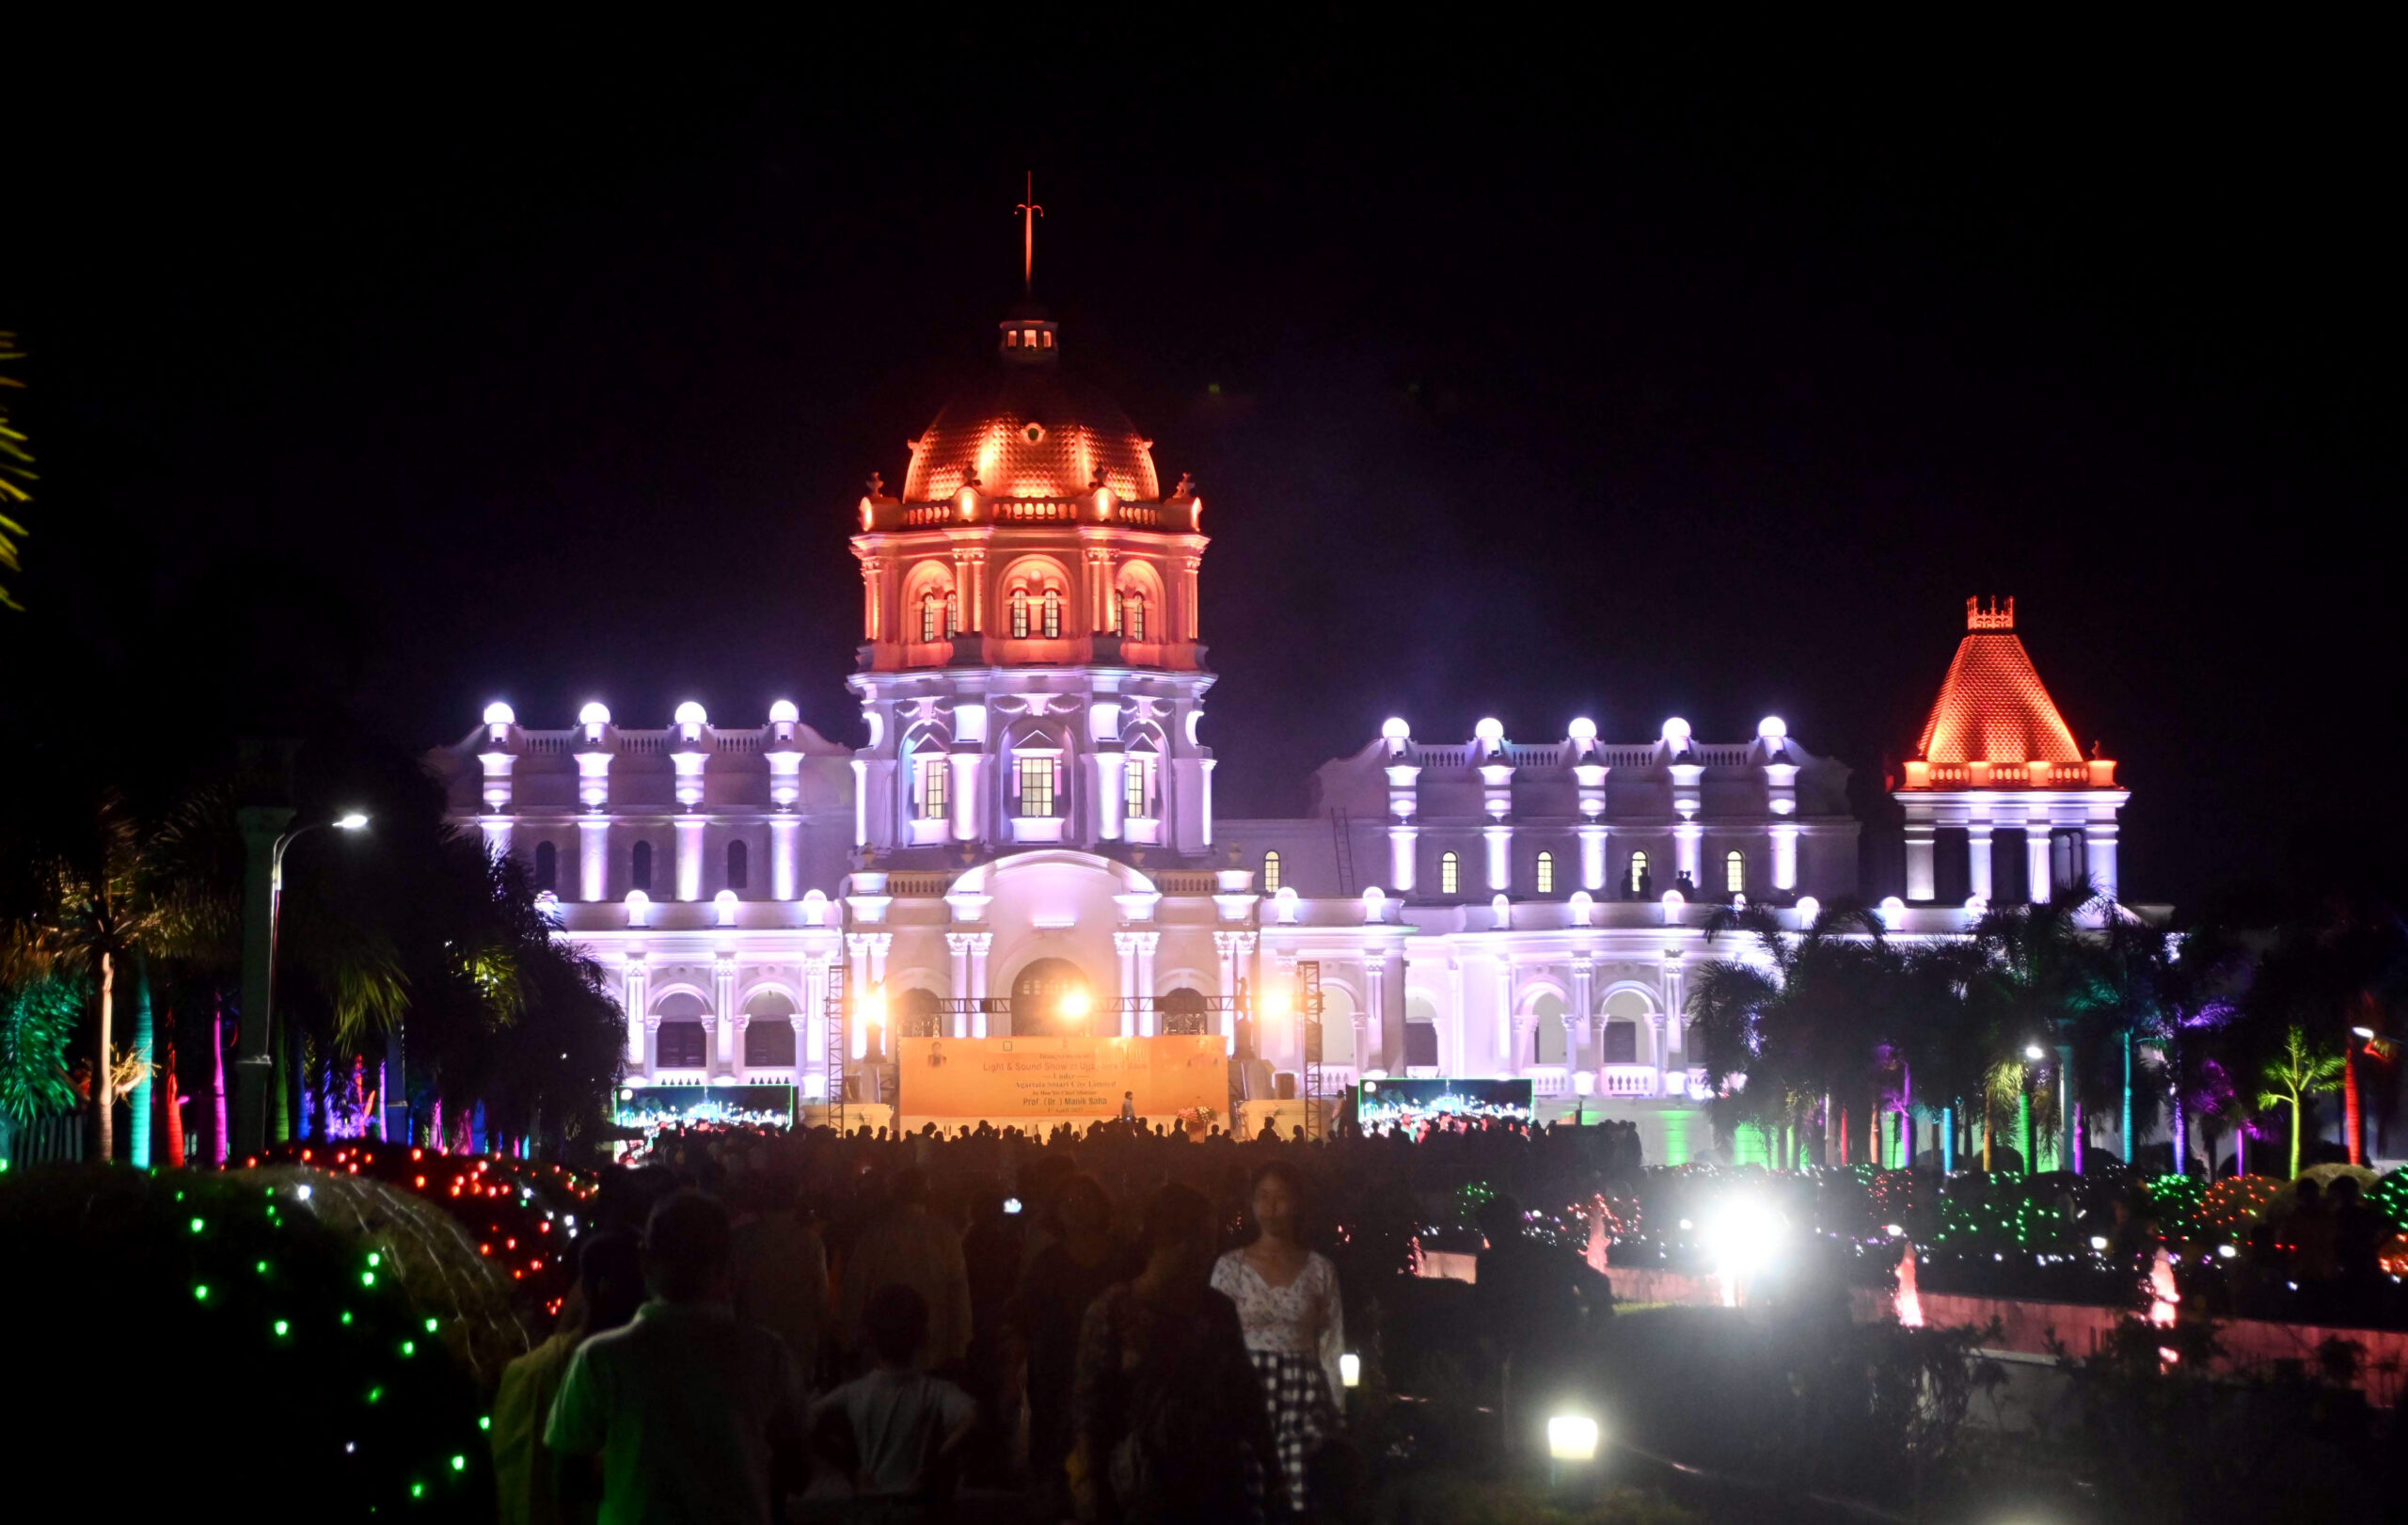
(2129, 1148)
(145, 1039)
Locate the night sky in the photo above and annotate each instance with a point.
(1531, 373)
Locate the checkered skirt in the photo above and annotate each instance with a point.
(1295, 1389)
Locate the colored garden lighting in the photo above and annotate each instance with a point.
(1572, 1437)
(198, 1225)
(201, 1293)
(283, 1327)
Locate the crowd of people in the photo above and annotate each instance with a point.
(1116, 1323)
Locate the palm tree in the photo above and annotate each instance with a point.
(2301, 1070)
(106, 889)
(16, 469)
(1806, 1020)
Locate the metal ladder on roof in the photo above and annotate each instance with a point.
(1344, 854)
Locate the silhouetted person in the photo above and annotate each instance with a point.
(911, 1245)
(781, 1275)
(903, 1429)
(693, 1415)
(608, 1288)
(1168, 1415)
(1534, 1302)
(1060, 1283)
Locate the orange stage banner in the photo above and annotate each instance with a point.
(1005, 1079)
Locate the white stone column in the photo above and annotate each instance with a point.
(636, 1005)
(731, 1058)
(1404, 844)
(1593, 857)
(1686, 837)
(1784, 857)
(1125, 945)
(1374, 1004)
(1676, 1022)
(592, 858)
(979, 945)
(814, 1000)
(801, 1026)
(2035, 862)
(1504, 1039)
(957, 943)
(1582, 1035)
(1147, 944)
(1454, 1029)
(857, 947)
(785, 835)
(1499, 841)
(1921, 876)
(1227, 945)
(689, 858)
(2099, 843)
(1978, 842)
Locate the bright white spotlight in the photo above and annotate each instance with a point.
(351, 820)
(1076, 1005)
(1572, 1437)
(2033, 1053)
(1350, 1369)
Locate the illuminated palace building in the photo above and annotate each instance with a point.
(1024, 841)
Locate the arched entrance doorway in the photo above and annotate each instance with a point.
(1051, 998)
(1183, 1011)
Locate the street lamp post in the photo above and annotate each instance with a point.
(2033, 1054)
(266, 841)
(2354, 1121)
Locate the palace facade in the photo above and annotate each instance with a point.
(1023, 839)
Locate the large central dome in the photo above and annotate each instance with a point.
(1031, 432)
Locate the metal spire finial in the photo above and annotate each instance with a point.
(1029, 212)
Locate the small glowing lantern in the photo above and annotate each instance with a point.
(1350, 1369)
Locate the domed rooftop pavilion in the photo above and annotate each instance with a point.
(1031, 431)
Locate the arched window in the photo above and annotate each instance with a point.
(547, 867)
(931, 618)
(1271, 873)
(1735, 871)
(1638, 874)
(928, 787)
(639, 868)
(1019, 614)
(1137, 784)
(1545, 874)
(1446, 866)
(740, 865)
(952, 616)
(1132, 617)
(1053, 613)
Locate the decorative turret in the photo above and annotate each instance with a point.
(1995, 753)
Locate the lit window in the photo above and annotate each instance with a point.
(1049, 338)
(1639, 873)
(1734, 872)
(927, 787)
(1011, 338)
(952, 616)
(1019, 614)
(1271, 873)
(639, 868)
(1446, 866)
(1053, 613)
(1133, 618)
(1547, 873)
(931, 614)
(1139, 781)
(1036, 786)
(740, 865)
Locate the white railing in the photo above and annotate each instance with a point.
(1628, 1080)
(1548, 1080)
(1335, 1079)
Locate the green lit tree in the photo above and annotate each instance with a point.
(2301, 1069)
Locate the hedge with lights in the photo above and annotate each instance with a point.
(299, 1341)
(2390, 1199)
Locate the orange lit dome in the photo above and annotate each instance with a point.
(1031, 432)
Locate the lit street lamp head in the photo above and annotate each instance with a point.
(351, 820)
(2033, 1053)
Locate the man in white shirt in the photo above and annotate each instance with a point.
(693, 1415)
(905, 1427)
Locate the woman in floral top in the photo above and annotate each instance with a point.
(1295, 1325)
